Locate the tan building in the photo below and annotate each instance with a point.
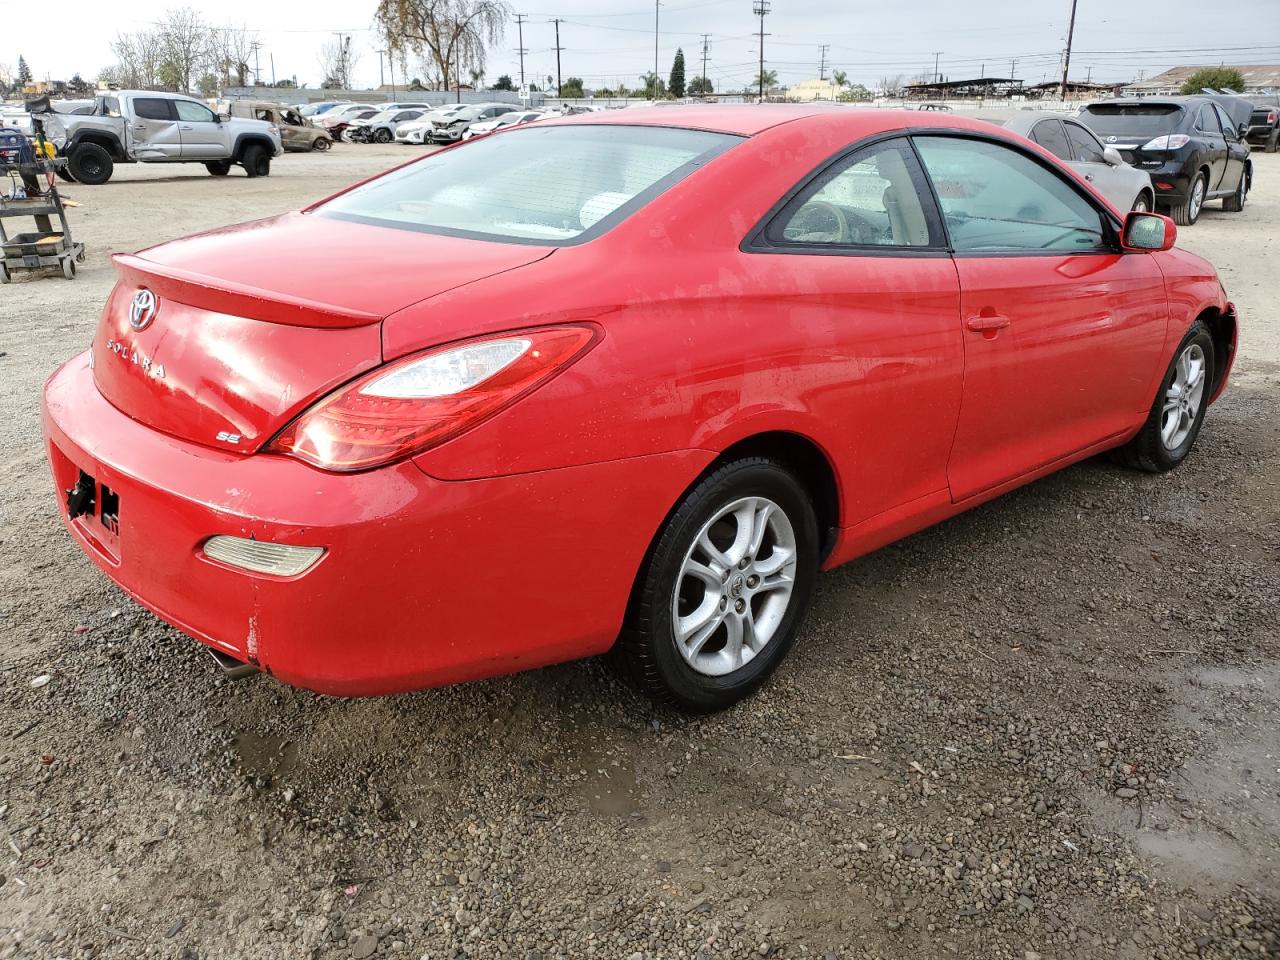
(1257, 79)
(807, 90)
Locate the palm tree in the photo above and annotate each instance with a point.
(766, 80)
(476, 77)
(840, 77)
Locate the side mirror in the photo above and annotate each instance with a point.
(1242, 131)
(1148, 232)
(224, 118)
(1112, 156)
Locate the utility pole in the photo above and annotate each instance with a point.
(257, 73)
(272, 56)
(381, 79)
(936, 76)
(706, 42)
(520, 19)
(559, 86)
(760, 8)
(822, 63)
(344, 42)
(391, 66)
(1066, 60)
(1013, 66)
(657, 4)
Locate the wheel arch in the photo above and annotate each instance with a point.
(1222, 331)
(108, 141)
(247, 140)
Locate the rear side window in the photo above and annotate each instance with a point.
(870, 199)
(1085, 144)
(1228, 126)
(1048, 133)
(149, 108)
(1207, 121)
(996, 199)
(534, 185)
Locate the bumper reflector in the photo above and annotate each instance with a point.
(278, 559)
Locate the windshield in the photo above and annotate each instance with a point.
(1132, 119)
(535, 184)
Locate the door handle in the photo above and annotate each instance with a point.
(987, 323)
(186, 127)
(1089, 177)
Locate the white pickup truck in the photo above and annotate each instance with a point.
(142, 126)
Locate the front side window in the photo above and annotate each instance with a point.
(546, 185)
(149, 108)
(867, 200)
(996, 199)
(1048, 133)
(1085, 144)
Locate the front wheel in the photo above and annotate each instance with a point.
(1143, 203)
(383, 135)
(1175, 419)
(1187, 212)
(1235, 202)
(723, 593)
(321, 144)
(256, 161)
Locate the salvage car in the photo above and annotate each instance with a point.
(633, 378)
(1189, 146)
(1127, 187)
(297, 133)
(450, 129)
(513, 119)
(1264, 121)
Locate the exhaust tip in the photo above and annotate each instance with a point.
(232, 668)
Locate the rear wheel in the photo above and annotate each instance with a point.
(1187, 212)
(69, 268)
(1235, 202)
(721, 597)
(90, 164)
(1175, 419)
(65, 174)
(219, 168)
(256, 161)
(1273, 141)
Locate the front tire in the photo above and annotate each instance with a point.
(1178, 412)
(725, 588)
(1235, 202)
(383, 135)
(256, 161)
(90, 164)
(321, 144)
(1187, 212)
(1142, 203)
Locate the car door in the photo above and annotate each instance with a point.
(153, 129)
(201, 132)
(1114, 183)
(1062, 332)
(855, 268)
(1209, 132)
(1237, 151)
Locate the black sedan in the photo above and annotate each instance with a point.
(1190, 146)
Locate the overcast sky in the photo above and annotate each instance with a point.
(607, 41)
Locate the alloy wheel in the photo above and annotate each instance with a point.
(1197, 197)
(735, 586)
(1183, 398)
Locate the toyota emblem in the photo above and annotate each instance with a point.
(143, 309)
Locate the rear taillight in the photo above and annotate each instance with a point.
(1171, 141)
(423, 400)
(1271, 117)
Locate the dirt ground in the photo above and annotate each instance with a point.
(1048, 728)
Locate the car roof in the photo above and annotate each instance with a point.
(1024, 120)
(1149, 102)
(749, 119)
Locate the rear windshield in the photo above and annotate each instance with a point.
(533, 185)
(1132, 119)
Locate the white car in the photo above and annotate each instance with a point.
(418, 131)
(497, 123)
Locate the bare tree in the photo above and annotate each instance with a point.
(337, 59)
(186, 43)
(451, 34)
(232, 53)
(138, 59)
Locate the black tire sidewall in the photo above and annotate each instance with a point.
(90, 153)
(753, 477)
(1153, 446)
(256, 163)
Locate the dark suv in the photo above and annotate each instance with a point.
(1189, 145)
(1264, 121)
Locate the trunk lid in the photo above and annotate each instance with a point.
(250, 324)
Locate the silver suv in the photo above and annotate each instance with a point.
(141, 126)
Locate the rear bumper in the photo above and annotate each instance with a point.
(424, 582)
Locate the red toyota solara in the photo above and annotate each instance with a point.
(626, 378)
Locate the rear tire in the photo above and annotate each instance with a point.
(1272, 141)
(1187, 212)
(69, 268)
(750, 602)
(90, 164)
(65, 174)
(219, 168)
(1176, 416)
(1235, 202)
(256, 161)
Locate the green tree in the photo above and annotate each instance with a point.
(503, 83)
(653, 88)
(572, 87)
(676, 84)
(700, 86)
(855, 93)
(840, 77)
(1219, 78)
(766, 81)
(24, 72)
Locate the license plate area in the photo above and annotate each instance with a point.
(92, 506)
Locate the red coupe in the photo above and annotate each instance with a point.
(631, 377)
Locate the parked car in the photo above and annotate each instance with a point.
(512, 119)
(297, 133)
(336, 124)
(449, 129)
(342, 114)
(1189, 147)
(1127, 187)
(630, 378)
(380, 128)
(417, 131)
(311, 110)
(142, 126)
(1264, 121)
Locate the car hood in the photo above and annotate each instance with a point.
(253, 323)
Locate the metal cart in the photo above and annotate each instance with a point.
(46, 246)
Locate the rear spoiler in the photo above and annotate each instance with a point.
(225, 296)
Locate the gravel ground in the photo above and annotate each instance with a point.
(1048, 728)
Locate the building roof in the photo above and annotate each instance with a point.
(1255, 77)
